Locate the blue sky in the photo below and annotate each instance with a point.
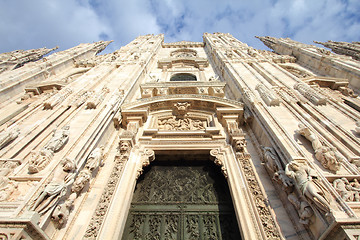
(26, 24)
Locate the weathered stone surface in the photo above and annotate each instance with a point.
(78, 131)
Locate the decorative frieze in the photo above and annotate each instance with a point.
(261, 203)
(103, 205)
(349, 191)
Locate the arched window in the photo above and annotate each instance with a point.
(183, 77)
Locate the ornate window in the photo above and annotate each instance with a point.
(183, 53)
(183, 77)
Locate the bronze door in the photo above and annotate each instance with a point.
(182, 202)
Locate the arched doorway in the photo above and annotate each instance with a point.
(181, 198)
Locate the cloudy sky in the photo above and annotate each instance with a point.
(26, 24)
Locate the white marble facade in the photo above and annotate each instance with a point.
(77, 129)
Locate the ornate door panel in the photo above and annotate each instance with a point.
(182, 202)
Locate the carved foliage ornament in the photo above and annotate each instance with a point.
(218, 159)
(147, 157)
(267, 221)
(103, 205)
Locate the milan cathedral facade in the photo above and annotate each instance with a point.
(183, 140)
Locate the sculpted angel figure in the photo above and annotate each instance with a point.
(305, 179)
(57, 188)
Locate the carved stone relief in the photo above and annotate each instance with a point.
(349, 191)
(261, 203)
(267, 95)
(99, 214)
(182, 124)
(8, 135)
(310, 94)
(147, 157)
(218, 159)
(39, 160)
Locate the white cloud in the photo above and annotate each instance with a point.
(30, 24)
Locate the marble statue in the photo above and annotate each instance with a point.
(59, 139)
(306, 181)
(57, 188)
(8, 135)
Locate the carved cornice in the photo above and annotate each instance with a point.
(182, 44)
(211, 100)
(216, 89)
(188, 61)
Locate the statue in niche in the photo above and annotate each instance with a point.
(59, 139)
(57, 188)
(308, 184)
(8, 135)
(328, 157)
(270, 158)
(6, 167)
(304, 210)
(95, 159)
(39, 160)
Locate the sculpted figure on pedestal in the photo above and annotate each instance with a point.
(304, 210)
(270, 158)
(8, 135)
(306, 181)
(328, 157)
(95, 159)
(59, 139)
(57, 188)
